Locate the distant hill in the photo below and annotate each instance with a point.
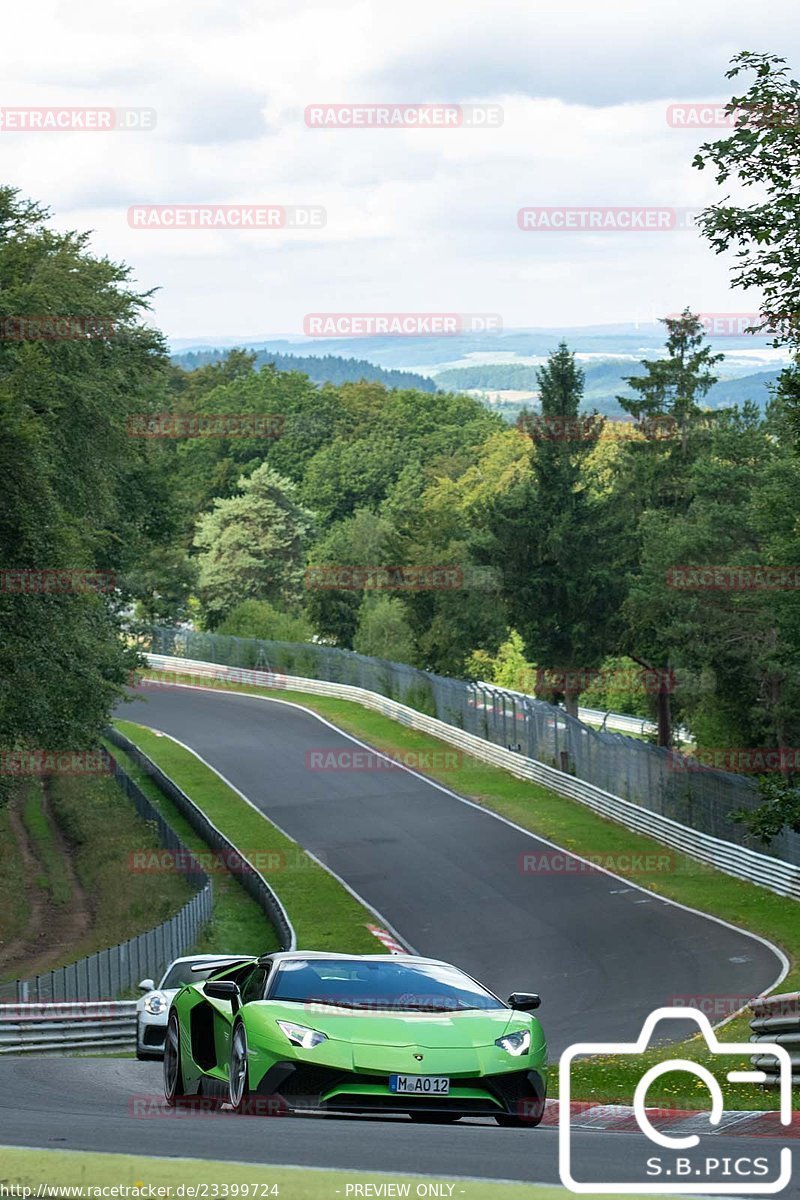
(320, 369)
(604, 382)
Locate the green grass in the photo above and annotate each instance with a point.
(104, 831)
(324, 914)
(13, 903)
(238, 925)
(65, 1168)
(575, 827)
(54, 879)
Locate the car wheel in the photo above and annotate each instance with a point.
(173, 1074)
(434, 1118)
(239, 1075)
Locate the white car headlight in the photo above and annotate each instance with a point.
(301, 1035)
(515, 1043)
(156, 1003)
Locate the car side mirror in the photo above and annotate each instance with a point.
(147, 985)
(224, 989)
(524, 1001)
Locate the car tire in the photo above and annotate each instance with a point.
(239, 1073)
(173, 1071)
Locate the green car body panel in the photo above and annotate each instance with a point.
(350, 1069)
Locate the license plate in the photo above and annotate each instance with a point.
(419, 1085)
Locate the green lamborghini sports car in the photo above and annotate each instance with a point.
(298, 1031)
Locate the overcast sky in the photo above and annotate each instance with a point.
(417, 220)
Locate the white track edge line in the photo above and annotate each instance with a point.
(785, 965)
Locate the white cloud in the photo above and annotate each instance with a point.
(416, 219)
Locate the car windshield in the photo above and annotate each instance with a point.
(181, 973)
(360, 984)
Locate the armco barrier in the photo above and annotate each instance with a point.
(251, 880)
(56, 1028)
(119, 968)
(777, 1019)
(740, 861)
(649, 776)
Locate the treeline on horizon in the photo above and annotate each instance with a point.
(565, 539)
(323, 368)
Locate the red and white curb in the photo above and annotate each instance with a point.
(619, 1118)
(389, 940)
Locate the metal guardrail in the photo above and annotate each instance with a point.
(119, 968)
(777, 1019)
(251, 880)
(738, 860)
(55, 1028)
(649, 776)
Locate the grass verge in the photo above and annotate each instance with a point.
(575, 827)
(13, 902)
(64, 1168)
(238, 925)
(54, 880)
(104, 831)
(324, 914)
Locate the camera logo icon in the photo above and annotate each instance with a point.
(686, 1164)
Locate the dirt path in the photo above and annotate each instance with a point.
(53, 929)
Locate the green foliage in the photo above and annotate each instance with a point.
(780, 810)
(78, 491)
(252, 545)
(260, 619)
(383, 630)
(619, 686)
(509, 668)
(554, 543)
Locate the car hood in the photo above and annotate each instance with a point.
(390, 1028)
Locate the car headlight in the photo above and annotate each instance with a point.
(301, 1035)
(156, 1003)
(516, 1043)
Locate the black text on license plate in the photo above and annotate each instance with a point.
(419, 1085)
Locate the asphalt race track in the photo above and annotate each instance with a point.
(92, 1104)
(446, 876)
